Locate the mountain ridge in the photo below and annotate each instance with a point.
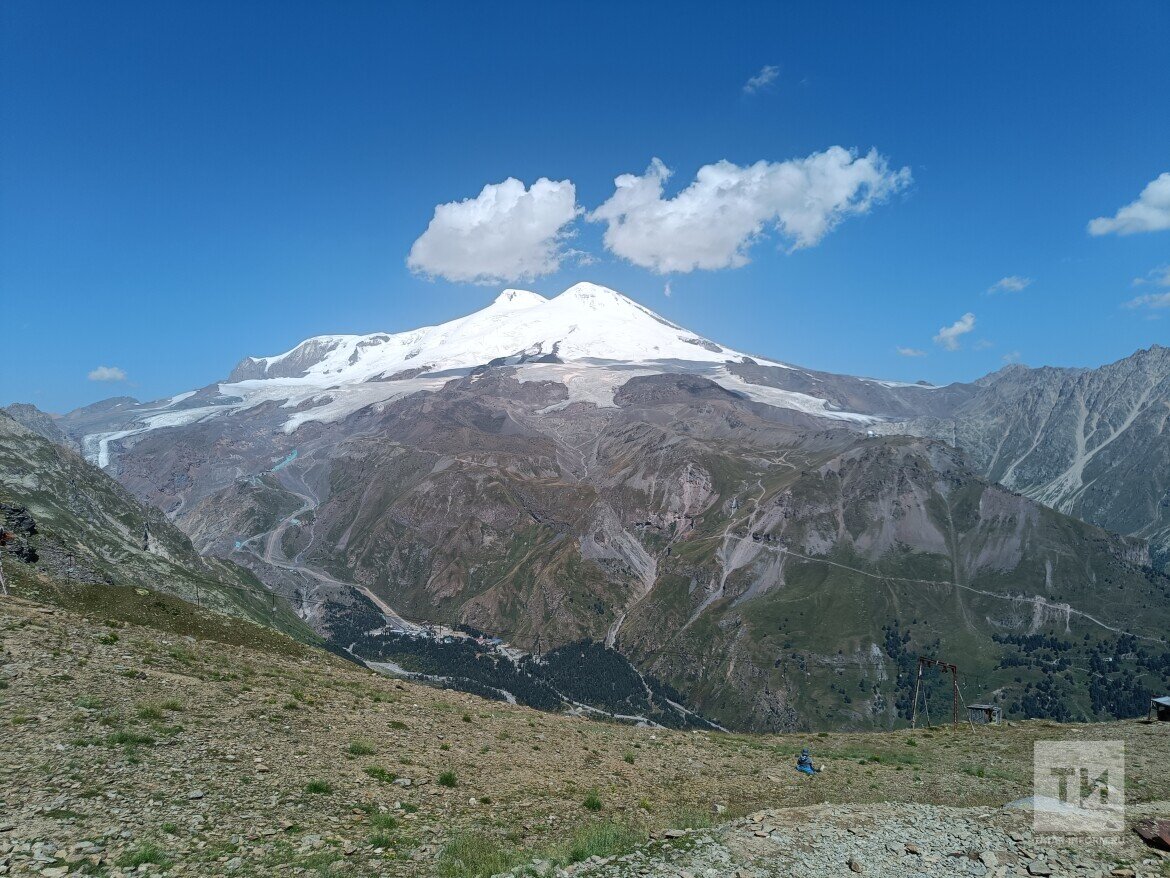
(700, 516)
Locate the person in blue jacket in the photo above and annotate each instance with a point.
(804, 762)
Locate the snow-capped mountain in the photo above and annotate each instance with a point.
(590, 338)
(586, 322)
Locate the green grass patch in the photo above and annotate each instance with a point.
(149, 712)
(448, 779)
(318, 788)
(383, 821)
(476, 855)
(140, 855)
(377, 772)
(128, 739)
(602, 840)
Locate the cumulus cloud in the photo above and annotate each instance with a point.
(506, 233)
(948, 337)
(1013, 283)
(911, 352)
(1150, 213)
(714, 221)
(765, 77)
(107, 373)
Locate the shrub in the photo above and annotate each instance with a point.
(447, 779)
(444, 747)
(172, 704)
(467, 717)
(318, 787)
(592, 802)
(361, 748)
(629, 757)
(149, 711)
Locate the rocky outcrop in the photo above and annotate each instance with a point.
(45, 425)
(17, 527)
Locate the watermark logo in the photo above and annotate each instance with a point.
(1079, 787)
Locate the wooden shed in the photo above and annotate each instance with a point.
(1160, 708)
(984, 714)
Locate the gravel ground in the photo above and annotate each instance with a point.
(883, 841)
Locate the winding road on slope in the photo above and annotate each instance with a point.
(270, 553)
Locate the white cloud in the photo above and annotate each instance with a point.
(107, 373)
(1150, 213)
(948, 337)
(1159, 277)
(1011, 357)
(1151, 300)
(1013, 283)
(714, 221)
(911, 352)
(766, 76)
(506, 233)
(983, 344)
(667, 291)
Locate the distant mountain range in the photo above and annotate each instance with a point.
(777, 544)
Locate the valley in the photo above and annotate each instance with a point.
(556, 473)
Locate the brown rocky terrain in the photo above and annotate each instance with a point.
(148, 750)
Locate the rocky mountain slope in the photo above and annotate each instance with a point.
(44, 425)
(757, 567)
(139, 750)
(68, 524)
(1093, 443)
(764, 541)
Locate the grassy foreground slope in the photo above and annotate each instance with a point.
(126, 745)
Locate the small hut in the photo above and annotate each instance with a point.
(984, 714)
(1160, 709)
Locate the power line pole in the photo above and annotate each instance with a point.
(945, 667)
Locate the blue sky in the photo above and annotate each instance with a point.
(184, 184)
